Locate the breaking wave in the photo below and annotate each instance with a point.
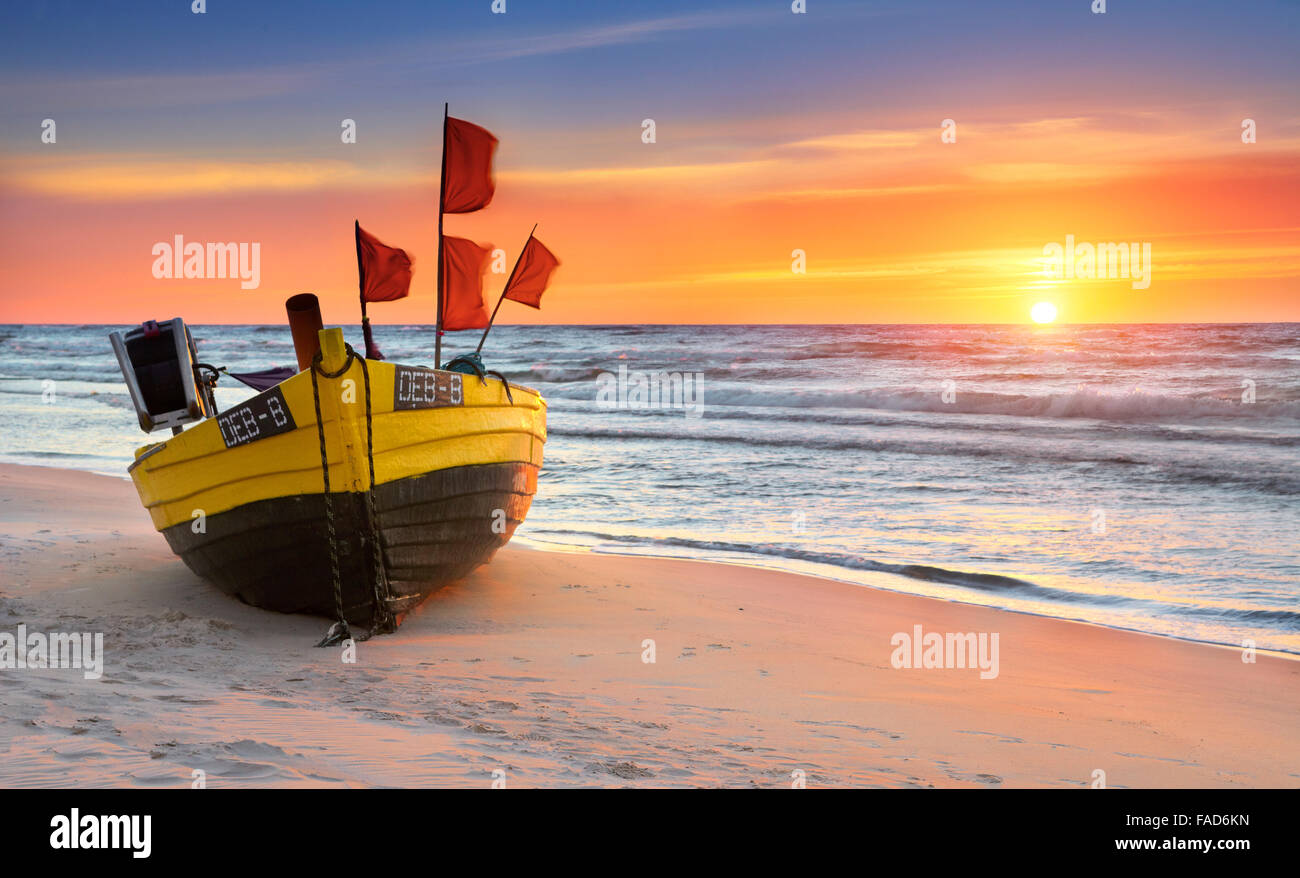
(1136, 405)
(981, 582)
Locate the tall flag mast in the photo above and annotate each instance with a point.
(467, 186)
(442, 201)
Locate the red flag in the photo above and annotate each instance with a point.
(532, 273)
(385, 271)
(463, 264)
(467, 185)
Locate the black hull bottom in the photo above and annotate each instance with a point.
(435, 529)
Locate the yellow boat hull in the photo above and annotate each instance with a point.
(240, 497)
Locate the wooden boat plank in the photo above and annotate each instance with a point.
(274, 553)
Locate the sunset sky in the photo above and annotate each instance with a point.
(774, 132)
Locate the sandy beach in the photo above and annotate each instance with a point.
(535, 669)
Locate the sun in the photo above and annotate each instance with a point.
(1043, 312)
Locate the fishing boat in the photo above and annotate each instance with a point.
(352, 487)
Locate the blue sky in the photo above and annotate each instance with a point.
(272, 68)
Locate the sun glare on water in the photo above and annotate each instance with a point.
(1043, 312)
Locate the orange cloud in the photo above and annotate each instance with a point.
(112, 178)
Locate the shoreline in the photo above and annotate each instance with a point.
(826, 571)
(534, 665)
(757, 564)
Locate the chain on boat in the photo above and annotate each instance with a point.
(381, 620)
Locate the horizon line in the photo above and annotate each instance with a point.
(624, 325)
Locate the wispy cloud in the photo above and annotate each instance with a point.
(163, 90)
(500, 49)
(856, 141)
(143, 177)
(649, 174)
(218, 87)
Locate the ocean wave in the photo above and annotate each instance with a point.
(559, 374)
(1087, 403)
(976, 581)
(870, 348)
(1135, 405)
(1063, 431)
(1162, 471)
(72, 454)
(117, 397)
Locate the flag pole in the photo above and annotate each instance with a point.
(442, 194)
(361, 272)
(366, 335)
(504, 290)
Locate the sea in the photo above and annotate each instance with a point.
(1143, 477)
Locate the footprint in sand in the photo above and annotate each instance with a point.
(625, 770)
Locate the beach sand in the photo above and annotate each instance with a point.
(534, 667)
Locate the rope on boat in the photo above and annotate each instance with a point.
(382, 621)
(339, 631)
(472, 362)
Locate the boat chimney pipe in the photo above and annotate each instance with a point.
(304, 323)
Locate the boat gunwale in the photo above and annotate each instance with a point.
(150, 450)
